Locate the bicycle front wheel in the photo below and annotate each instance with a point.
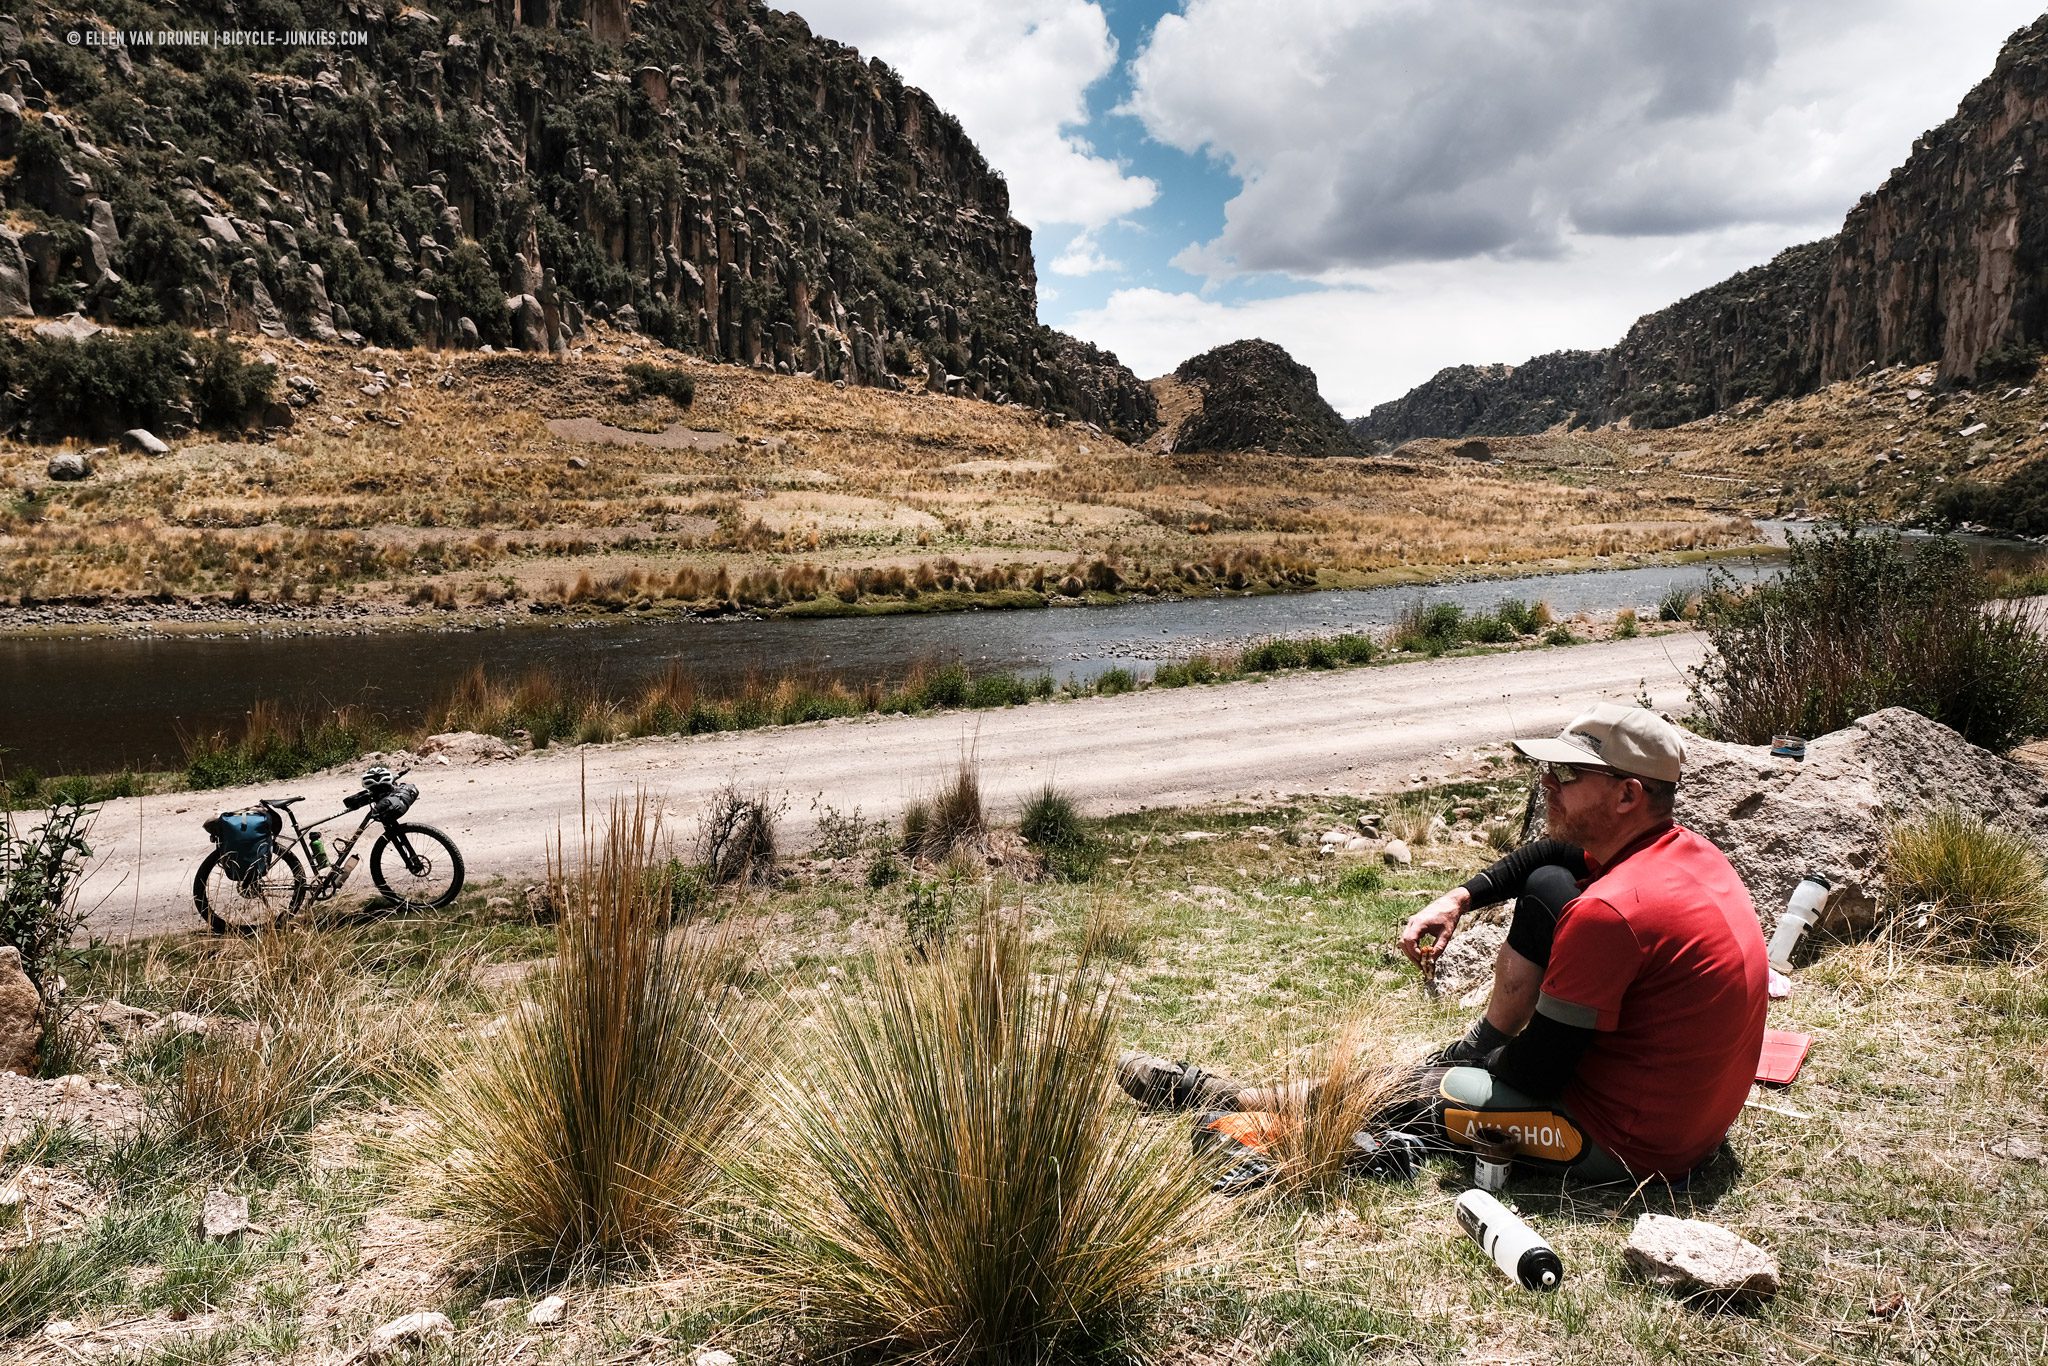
(416, 866)
(232, 905)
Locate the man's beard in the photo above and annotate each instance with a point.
(1561, 826)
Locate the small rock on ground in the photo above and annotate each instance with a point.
(715, 1358)
(1691, 1257)
(547, 1313)
(410, 1331)
(1396, 853)
(223, 1215)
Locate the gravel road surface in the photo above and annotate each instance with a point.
(1357, 730)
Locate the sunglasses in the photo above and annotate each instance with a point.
(1565, 774)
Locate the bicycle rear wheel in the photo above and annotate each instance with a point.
(231, 905)
(416, 866)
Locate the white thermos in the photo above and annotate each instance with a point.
(1800, 912)
(1518, 1250)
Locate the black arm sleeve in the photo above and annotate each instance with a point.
(1541, 1059)
(1503, 880)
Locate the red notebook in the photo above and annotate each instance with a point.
(1783, 1053)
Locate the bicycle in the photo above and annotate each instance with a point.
(244, 887)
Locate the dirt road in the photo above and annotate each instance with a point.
(1352, 731)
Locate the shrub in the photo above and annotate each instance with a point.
(226, 390)
(1966, 888)
(1626, 625)
(102, 384)
(1560, 634)
(1053, 825)
(1111, 682)
(1490, 628)
(957, 1182)
(1675, 605)
(1523, 617)
(736, 838)
(2018, 503)
(671, 382)
(275, 743)
(40, 870)
(593, 1122)
(1428, 627)
(1861, 622)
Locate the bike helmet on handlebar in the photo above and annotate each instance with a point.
(379, 776)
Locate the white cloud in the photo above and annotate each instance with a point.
(1083, 256)
(1016, 74)
(1368, 133)
(1369, 343)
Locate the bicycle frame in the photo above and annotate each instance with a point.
(337, 872)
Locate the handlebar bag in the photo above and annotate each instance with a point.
(396, 802)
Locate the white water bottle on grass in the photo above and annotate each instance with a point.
(1801, 911)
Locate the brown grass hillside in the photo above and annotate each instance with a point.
(421, 480)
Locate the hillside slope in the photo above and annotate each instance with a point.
(705, 171)
(1945, 263)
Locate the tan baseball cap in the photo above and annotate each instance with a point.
(1625, 739)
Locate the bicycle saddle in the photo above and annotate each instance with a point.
(279, 801)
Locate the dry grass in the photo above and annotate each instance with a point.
(949, 821)
(590, 1124)
(954, 1182)
(1964, 888)
(470, 503)
(1318, 1114)
(314, 1038)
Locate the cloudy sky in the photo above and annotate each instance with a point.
(1387, 187)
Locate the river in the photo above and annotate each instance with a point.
(100, 704)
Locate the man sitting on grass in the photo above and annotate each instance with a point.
(1628, 1003)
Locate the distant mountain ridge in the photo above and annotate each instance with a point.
(705, 171)
(1947, 261)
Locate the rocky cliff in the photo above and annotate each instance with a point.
(1256, 397)
(705, 171)
(1946, 262)
(1499, 400)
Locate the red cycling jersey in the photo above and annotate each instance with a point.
(1662, 956)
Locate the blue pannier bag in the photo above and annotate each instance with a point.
(245, 840)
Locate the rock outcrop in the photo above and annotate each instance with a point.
(1566, 387)
(705, 171)
(21, 1016)
(1946, 262)
(1778, 819)
(1256, 397)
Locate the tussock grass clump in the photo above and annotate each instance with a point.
(1055, 827)
(42, 1280)
(592, 1123)
(951, 819)
(1413, 819)
(671, 382)
(1966, 888)
(1317, 1115)
(956, 1182)
(1862, 622)
(314, 1038)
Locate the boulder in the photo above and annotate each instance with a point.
(71, 327)
(68, 466)
(146, 441)
(1691, 1257)
(21, 1015)
(1473, 450)
(1396, 854)
(1464, 970)
(467, 747)
(14, 290)
(1778, 819)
